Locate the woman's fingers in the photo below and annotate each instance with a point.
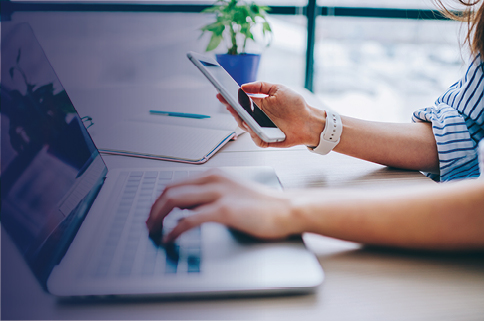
(202, 215)
(259, 87)
(222, 100)
(183, 197)
(184, 194)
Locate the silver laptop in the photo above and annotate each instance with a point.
(82, 230)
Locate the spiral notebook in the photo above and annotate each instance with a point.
(191, 141)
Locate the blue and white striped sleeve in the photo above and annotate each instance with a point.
(458, 125)
(457, 151)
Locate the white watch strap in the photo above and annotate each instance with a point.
(331, 134)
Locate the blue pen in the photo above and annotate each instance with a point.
(175, 114)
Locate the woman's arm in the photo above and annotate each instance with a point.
(446, 217)
(443, 217)
(409, 146)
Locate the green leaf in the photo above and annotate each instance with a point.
(232, 5)
(240, 16)
(266, 27)
(254, 8)
(206, 27)
(220, 30)
(224, 20)
(215, 27)
(211, 9)
(214, 42)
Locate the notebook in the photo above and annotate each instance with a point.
(81, 227)
(185, 140)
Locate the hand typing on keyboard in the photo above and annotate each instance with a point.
(215, 197)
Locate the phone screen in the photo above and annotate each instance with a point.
(235, 91)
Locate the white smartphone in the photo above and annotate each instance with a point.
(254, 117)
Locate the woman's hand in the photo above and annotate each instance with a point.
(216, 197)
(301, 123)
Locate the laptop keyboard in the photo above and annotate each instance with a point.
(127, 249)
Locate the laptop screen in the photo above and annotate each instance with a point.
(50, 168)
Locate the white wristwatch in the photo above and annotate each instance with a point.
(331, 134)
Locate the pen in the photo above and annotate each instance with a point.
(175, 114)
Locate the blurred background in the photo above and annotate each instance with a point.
(373, 59)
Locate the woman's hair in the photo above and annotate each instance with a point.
(473, 15)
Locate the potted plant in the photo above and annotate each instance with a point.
(234, 23)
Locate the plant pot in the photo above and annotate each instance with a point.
(243, 68)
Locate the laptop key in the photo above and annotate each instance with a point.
(136, 174)
(151, 174)
(165, 175)
(180, 175)
(172, 251)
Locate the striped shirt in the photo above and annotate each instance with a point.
(458, 124)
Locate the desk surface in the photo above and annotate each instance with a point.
(360, 284)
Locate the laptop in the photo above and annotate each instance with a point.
(81, 228)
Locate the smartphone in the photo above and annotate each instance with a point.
(253, 116)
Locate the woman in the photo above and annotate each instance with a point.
(442, 140)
